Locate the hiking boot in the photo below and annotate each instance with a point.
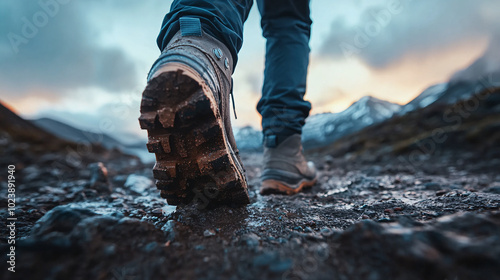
(185, 109)
(286, 170)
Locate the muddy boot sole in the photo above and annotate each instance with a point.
(194, 163)
(271, 186)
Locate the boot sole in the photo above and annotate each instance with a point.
(271, 186)
(194, 162)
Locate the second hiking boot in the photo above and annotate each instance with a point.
(286, 170)
(185, 109)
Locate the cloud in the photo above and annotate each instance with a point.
(486, 67)
(388, 32)
(51, 45)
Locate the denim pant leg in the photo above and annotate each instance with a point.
(286, 25)
(222, 19)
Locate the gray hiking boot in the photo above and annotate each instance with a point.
(286, 170)
(185, 109)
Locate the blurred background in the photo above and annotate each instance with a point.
(77, 68)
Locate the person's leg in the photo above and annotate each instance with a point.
(222, 19)
(185, 106)
(286, 25)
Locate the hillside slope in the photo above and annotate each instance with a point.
(16, 131)
(71, 133)
(471, 124)
(323, 129)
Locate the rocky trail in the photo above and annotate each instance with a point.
(365, 219)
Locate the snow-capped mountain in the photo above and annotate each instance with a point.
(461, 90)
(481, 74)
(427, 97)
(248, 139)
(323, 129)
(447, 93)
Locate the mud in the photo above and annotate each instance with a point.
(436, 219)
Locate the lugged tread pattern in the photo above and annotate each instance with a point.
(192, 161)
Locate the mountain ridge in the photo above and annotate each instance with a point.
(421, 131)
(323, 129)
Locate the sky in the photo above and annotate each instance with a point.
(85, 62)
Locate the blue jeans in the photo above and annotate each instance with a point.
(286, 25)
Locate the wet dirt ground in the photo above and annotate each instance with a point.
(436, 219)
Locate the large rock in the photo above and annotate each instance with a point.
(139, 184)
(61, 219)
(85, 229)
(461, 246)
